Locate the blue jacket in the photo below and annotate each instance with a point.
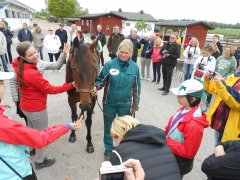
(23, 37)
(8, 35)
(148, 46)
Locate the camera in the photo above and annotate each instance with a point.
(189, 54)
(200, 66)
(165, 52)
(110, 172)
(212, 73)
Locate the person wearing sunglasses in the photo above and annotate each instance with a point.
(52, 43)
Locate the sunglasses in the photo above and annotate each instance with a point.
(172, 37)
(50, 30)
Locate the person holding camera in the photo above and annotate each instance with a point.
(191, 53)
(224, 113)
(170, 53)
(204, 63)
(135, 141)
(136, 45)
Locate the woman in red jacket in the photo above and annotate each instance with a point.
(156, 58)
(34, 90)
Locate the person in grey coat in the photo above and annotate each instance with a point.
(24, 34)
(38, 38)
(42, 66)
(3, 50)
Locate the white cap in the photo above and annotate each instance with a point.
(6, 75)
(190, 87)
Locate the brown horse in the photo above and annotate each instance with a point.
(82, 67)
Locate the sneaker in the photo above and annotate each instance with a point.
(148, 79)
(46, 163)
(59, 71)
(51, 71)
(142, 78)
(165, 93)
(204, 109)
(106, 157)
(161, 89)
(154, 80)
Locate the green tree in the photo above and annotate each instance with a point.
(62, 8)
(79, 10)
(141, 25)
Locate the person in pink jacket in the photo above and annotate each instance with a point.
(156, 58)
(15, 140)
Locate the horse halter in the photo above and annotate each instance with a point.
(84, 91)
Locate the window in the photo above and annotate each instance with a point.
(127, 24)
(87, 22)
(25, 16)
(8, 13)
(18, 15)
(82, 22)
(14, 14)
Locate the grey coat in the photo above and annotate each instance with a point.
(41, 65)
(3, 44)
(38, 42)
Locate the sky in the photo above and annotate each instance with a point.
(210, 10)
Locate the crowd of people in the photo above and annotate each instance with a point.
(162, 152)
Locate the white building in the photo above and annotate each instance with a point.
(15, 13)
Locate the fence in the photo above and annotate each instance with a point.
(224, 40)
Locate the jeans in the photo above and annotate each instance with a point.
(156, 68)
(4, 62)
(145, 62)
(167, 72)
(56, 55)
(39, 50)
(188, 69)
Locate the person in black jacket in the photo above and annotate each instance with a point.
(219, 45)
(62, 34)
(170, 53)
(145, 143)
(8, 35)
(136, 45)
(224, 164)
(102, 38)
(25, 34)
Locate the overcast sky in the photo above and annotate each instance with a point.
(210, 10)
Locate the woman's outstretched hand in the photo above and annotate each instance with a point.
(76, 125)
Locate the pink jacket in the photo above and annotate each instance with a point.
(156, 56)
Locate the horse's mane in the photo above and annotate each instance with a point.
(81, 50)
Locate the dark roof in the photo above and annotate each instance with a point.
(124, 15)
(72, 19)
(134, 16)
(183, 23)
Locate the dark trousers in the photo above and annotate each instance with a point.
(209, 98)
(113, 56)
(56, 55)
(101, 57)
(9, 53)
(134, 59)
(31, 177)
(167, 76)
(185, 165)
(156, 68)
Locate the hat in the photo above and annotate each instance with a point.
(6, 75)
(61, 24)
(189, 35)
(190, 87)
(93, 37)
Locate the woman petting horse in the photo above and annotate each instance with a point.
(34, 90)
(121, 81)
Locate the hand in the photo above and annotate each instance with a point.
(167, 55)
(137, 173)
(217, 78)
(76, 125)
(207, 75)
(94, 91)
(66, 48)
(190, 57)
(132, 111)
(219, 151)
(73, 84)
(147, 51)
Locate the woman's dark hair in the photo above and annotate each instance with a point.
(80, 32)
(21, 50)
(194, 103)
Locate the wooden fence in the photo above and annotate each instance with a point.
(226, 40)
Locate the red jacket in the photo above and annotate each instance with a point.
(156, 56)
(13, 132)
(189, 131)
(186, 42)
(34, 95)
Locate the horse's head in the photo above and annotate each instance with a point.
(84, 63)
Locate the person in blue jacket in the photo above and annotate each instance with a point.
(25, 34)
(146, 55)
(122, 86)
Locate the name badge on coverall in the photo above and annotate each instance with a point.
(114, 72)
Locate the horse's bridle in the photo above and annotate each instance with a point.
(84, 91)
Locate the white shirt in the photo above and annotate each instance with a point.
(52, 43)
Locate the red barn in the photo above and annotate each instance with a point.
(198, 29)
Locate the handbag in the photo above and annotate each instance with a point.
(11, 168)
(198, 73)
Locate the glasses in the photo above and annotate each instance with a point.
(50, 30)
(172, 37)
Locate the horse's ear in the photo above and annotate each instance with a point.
(93, 45)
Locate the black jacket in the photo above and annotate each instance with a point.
(216, 54)
(136, 46)
(62, 35)
(101, 37)
(148, 145)
(8, 35)
(77, 41)
(225, 167)
(173, 51)
(220, 47)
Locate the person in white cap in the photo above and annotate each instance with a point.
(185, 129)
(15, 140)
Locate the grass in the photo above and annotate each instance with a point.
(231, 32)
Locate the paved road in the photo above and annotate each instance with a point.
(71, 158)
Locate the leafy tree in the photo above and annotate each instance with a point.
(141, 25)
(79, 10)
(62, 8)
